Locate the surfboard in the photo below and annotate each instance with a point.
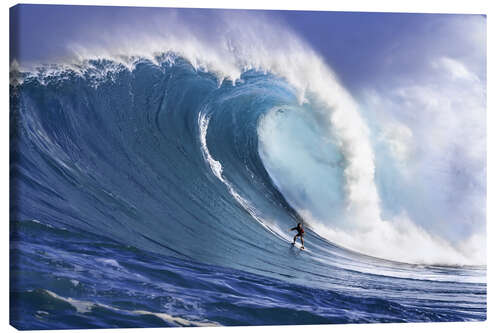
(298, 245)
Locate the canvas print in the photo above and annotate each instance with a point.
(218, 167)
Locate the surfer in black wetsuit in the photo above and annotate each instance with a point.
(300, 233)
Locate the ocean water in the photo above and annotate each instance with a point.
(155, 193)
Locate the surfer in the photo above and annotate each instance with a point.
(300, 233)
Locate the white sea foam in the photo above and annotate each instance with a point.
(215, 165)
(86, 306)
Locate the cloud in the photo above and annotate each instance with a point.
(456, 69)
(435, 121)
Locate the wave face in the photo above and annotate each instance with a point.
(161, 160)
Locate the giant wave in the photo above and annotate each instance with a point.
(162, 156)
(209, 152)
(276, 128)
